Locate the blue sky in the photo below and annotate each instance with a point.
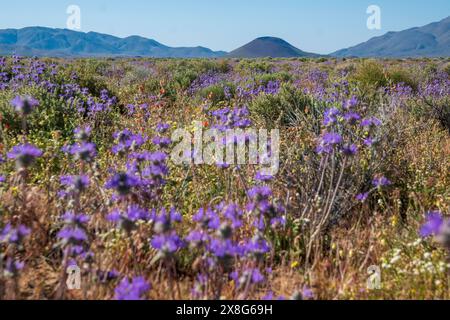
(320, 26)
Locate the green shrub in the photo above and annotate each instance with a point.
(288, 108)
(447, 68)
(217, 92)
(53, 114)
(264, 79)
(370, 73)
(398, 75)
(88, 75)
(254, 66)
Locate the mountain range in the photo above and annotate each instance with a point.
(432, 40)
(40, 41)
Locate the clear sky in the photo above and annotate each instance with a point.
(320, 26)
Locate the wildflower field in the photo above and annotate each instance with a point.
(357, 208)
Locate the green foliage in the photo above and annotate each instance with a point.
(447, 68)
(254, 66)
(265, 78)
(88, 73)
(53, 114)
(287, 108)
(371, 74)
(216, 93)
(398, 76)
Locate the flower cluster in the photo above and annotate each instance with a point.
(14, 237)
(73, 235)
(24, 105)
(136, 289)
(25, 155)
(127, 220)
(438, 226)
(73, 185)
(127, 141)
(266, 213)
(166, 239)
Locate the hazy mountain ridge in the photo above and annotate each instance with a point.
(42, 41)
(432, 40)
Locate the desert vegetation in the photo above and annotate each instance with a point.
(86, 179)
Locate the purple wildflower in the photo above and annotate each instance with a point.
(162, 142)
(262, 177)
(127, 220)
(73, 235)
(330, 116)
(368, 142)
(127, 141)
(248, 277)
(24, 154)
(260, 193)
(271, 297)
(82, 133)
(24, 105)
(12, 267)
(353, 102)
(162, 127)
(350, 150)
(362, 197)
(371, 122)
(14, 235)
(207, 218)
(167, 243)
(352, 117)
(328, 141)
(84, 151)
(381, 182)
(433, 224)
(122, 183)
(73, 184)
(135, 289)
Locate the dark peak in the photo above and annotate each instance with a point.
(269, 47)
(268, 38)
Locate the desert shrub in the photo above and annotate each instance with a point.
(447, 68)
(135, 75)
(52, 114)
(289, 107)
(267, 109)
(264, 79)
(216, 93)
(87, 73)
(371, 73)
(438, 109)
(254, 66)
(182, 79)
(402, 76)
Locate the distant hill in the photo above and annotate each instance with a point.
(432, 40)
(40, 41)
(269, 47)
